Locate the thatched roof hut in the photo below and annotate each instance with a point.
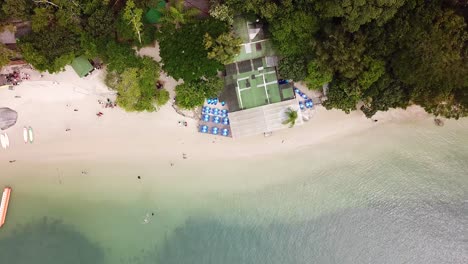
(8, 117)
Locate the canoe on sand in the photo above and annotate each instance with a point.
(31, 135)
(7, 140)
(2, 141)
(25, 134)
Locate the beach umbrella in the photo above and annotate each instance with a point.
(224, 113)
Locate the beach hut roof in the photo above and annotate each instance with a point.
(7, 37)
(153, 15)
(8, 117)
(81, 66)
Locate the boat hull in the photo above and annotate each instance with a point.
(25, 135)
(4, 205)
(7, 140)
(31, 135)
(2, 141)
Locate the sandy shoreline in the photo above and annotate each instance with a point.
(330, 163)
(47, 104)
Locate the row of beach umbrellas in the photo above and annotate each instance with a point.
(306, 104)
(216, 119)
(214, 101)
(214, 111)
(214, 130)
(300, 93)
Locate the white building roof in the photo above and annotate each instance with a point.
(263, 119)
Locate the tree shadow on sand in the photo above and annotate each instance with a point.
(48, 242)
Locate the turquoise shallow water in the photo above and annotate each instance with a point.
(394, 194)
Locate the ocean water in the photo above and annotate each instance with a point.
(394, 194)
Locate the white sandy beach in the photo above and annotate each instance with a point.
(47, 104)
(326, 165)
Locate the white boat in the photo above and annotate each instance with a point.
(7, 140)
(31, 135)
(2, 141)
(4, 205)
(25, 134)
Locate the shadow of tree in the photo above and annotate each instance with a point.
(419, 232)
(48, 242)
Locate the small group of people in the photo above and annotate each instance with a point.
(26, 76)
(13, 78)
(99, 114)
(108, 103)
(184, 123)
(96, 65)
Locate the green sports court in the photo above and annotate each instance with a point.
(253, 83)
(257, 89)
(252, 80)
(255, 98)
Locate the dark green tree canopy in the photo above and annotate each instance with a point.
(380, 53)
(192, 94)
(19, 9)
(136, 86)
(188, 59)
(50, 50)
(100, 23)
(433, 54)
(294, 68)
(384, 94)
(293, 32)
(355, 13)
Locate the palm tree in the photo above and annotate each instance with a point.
(291, 117)
(176, 13)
